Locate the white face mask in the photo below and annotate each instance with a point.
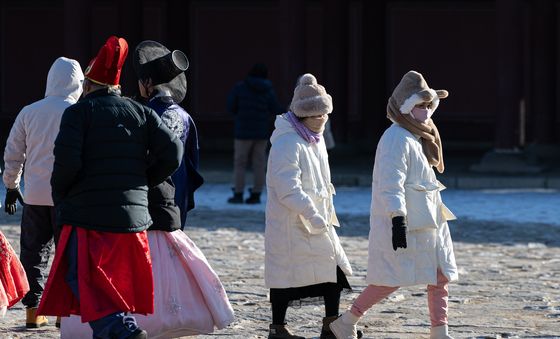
(421, 114)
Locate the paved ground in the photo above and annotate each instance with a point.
(509, 285)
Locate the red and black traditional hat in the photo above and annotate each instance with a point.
(105, 68)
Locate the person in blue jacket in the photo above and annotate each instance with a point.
(164, 88)
(253, 104)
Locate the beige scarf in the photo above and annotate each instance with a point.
(428, 132)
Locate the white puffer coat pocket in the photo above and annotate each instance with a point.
(421, 205)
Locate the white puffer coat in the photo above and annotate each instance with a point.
(31, 139)
(299, 251)
(405, 184)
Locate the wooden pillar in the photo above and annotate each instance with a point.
(506, 157)
(543, 75)
(77, 31)
(335, 54)
(292, 21)
(130, 27)
(374, 75)
(510, 73)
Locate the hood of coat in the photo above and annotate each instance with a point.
(65, 79)
(281, 126)
(258, 84)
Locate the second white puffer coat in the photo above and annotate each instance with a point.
(405, 184)
(299, 249)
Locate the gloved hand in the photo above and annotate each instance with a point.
(317, 221)
(399, 232)
(12, 195)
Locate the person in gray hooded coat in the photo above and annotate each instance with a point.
(30, 146)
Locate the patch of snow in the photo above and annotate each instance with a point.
(519, 205)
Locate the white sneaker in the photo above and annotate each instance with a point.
(345, 326)
(440, 332)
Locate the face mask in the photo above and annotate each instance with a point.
(316, 124)
(421, 114)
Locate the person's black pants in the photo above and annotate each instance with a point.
(38, 229)
(281, 298)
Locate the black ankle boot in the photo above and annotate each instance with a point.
(254, 198)
(237, 198)
(281, 332)
(326, 332)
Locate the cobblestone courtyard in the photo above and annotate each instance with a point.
(509, 283)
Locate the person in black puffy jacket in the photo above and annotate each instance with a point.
(102, 171)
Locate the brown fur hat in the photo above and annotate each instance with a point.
(310, 98)
(413, 90)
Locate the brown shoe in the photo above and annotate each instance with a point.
(33, 320)
(281, 332)
(58, 320)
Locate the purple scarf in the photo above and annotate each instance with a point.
(304, 132)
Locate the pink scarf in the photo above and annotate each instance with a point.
(304, 132)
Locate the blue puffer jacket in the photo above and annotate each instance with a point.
(253, 104)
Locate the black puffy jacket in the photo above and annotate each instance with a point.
(101, 174)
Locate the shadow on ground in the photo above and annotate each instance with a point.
(464, 230)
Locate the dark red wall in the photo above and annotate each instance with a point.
(358, 49)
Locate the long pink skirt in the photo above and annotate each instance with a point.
(189, 297)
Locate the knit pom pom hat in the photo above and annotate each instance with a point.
(310, 99)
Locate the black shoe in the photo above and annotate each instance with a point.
(281, 332)
(236, 199)
(139, 334)
(254, 198)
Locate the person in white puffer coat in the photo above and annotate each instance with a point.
(30, 147)
(303, 255)
(409, 240)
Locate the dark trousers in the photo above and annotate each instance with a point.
(113, 326)
(281, 299)
(38, 230)
(255, 151)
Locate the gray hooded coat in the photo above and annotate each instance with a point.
(31, 139)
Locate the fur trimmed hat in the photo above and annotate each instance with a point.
(310, 99)
(105, 68)
(413, 90)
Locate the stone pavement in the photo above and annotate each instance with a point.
(509, 280)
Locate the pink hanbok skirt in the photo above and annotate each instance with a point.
(188, 295)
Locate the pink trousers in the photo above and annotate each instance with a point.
(437, 299)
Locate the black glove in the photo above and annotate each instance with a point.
(12, 195)
(399, 232)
